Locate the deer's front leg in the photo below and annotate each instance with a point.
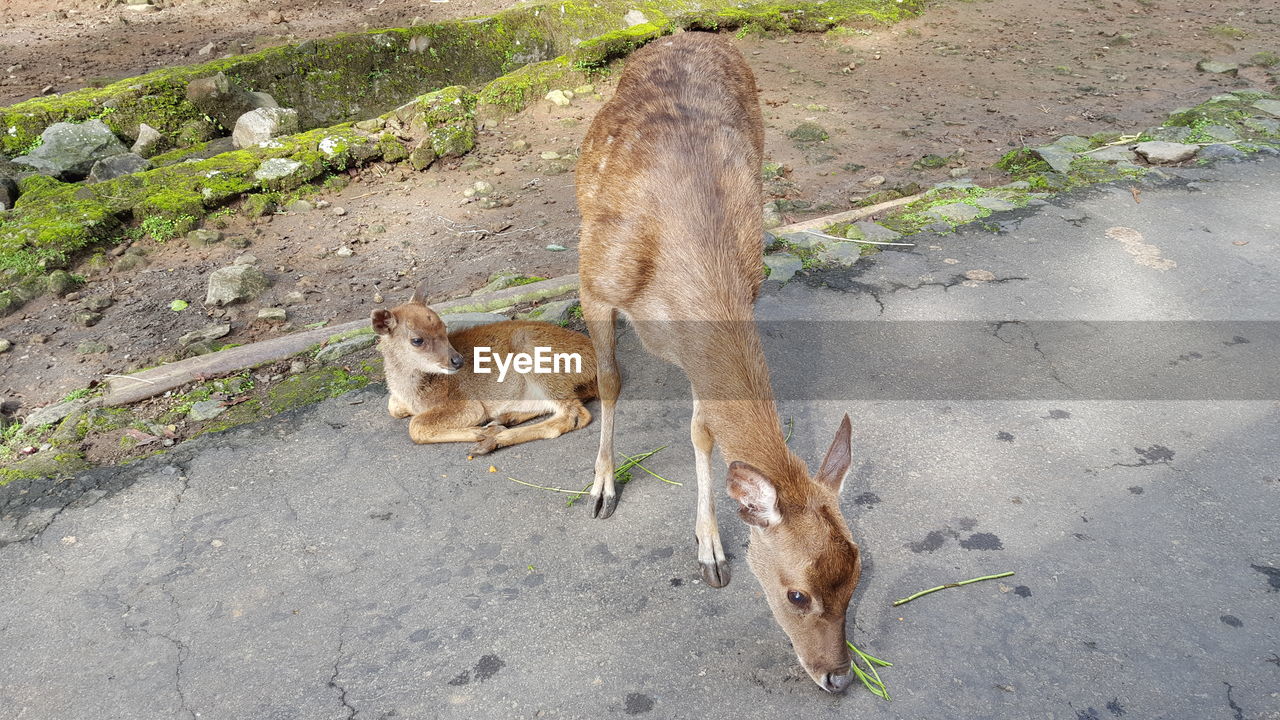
(451, 423)
(711, 557)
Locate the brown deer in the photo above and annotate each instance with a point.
(669, 189)
(438, 378)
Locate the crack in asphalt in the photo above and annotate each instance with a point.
(337, 661)
(1035, 345)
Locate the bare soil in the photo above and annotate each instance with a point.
(967, 81)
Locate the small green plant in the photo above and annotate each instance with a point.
(178, 305)
(1265, 59)
(77, 394)
(162, 229)
(1226, 32)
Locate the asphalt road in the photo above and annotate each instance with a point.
(318, 565)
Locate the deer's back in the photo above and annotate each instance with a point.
(669, 184)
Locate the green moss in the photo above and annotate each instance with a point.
(1022, 162)
(312, 387)
(514, 91)
(599, 51)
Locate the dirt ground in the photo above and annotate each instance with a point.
(967, 80)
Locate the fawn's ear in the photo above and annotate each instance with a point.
(420, 294)
(383, 321)
(836, 464)
(755, 493)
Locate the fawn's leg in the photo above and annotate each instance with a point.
(568, 416)
(397, 408)
(715, 566)
(451, 423)
(600, 318)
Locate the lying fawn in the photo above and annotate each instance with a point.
(431, 377)
(669, 189)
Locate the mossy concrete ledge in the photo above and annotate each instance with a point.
(488, 66)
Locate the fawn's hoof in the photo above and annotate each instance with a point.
(602, 506)
(715, 574)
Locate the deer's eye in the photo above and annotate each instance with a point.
(797, 598)
(416, 342)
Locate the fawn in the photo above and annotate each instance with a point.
(669, 189)
(431, 376)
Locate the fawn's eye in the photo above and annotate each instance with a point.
(797, 598)
(416, 342)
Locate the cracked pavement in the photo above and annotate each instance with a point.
(1034, 400)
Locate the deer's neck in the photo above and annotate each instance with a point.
(731, 381)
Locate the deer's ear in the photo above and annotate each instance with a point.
(420, 294)
(836, 464)
(755, 494)
(383, 321)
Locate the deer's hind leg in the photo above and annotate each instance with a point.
(567, 417)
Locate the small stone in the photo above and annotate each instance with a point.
(39, 339)
(339, 211)
(782, 266)
(1057, 157)
(954, 212)
(1220, 133)
(1218, 68)
(206, 410)
(60, 282)
(584, 89)
(205, 334)
(92, 347)
(1270, 107)
(980, 275)
(844, 254)
(1113, 154)
(276, 169)
(51, 414)
(633, 18)
(482, 188)
(371, 125)
(558, 98)
(1158, 152)
(275, 17)
(257, 205)
(207, 50)
(557, 313)
(994, 204)
(875, 232)
(961, 172)
(258, 126)
(1220, 151)
(556, 248)
(519, 145)
(294, 298)
(332, 352)
(223, 100)
(142, 8)
(550, 155)
(238, 242)
(344, 252)
(422, 155)
(5, 345)
(98, 303)
(149, 141)
(874, 181)
(297, 366)
(201, 238)
(807, 132)
(235, 284)
(275, 316)
(67, 151)
(245, 259)
(88, 318)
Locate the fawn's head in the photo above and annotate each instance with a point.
(415, 334)
(804, 556)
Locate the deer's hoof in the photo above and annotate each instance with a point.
(485, 446)
(715, 574)
(602, 506)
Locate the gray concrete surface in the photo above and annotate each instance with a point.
(318, 565)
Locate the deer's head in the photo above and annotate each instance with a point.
(416, 335)
(805, 558)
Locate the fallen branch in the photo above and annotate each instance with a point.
(922, 593)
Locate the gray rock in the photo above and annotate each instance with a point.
(1218, 68)
(461, 321)
(875, 232)
(1263, 125)
(961, 184)
(1221, 133)
(1158, 152)
(772, 218)
(68, 151)
(92, 347)
(840, 253)
(118, 166)
(98, 303)
(1270, 107)
(51, 414)
(1073, 143)
(1173, 133)
(88, 318)
(203, 237)
(1059, 158)
(994, 204)
(329, 353)
(1113, 154)
(224, 101)
(802, 239)
(276, 169)
(60, 282)
(235, 284)
(5, 345)
(204, 334)
(1016, 185)
(782, 266)
(1220, 151)
(558, 312)
(258, 126)
(149, 141)
(8, 193)
(558, 98)
(954, 212)
(275, 316)
(206, 410)
(633, 18)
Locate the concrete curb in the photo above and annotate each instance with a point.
(149, 383)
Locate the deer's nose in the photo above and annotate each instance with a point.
(455, 361)
(834, 683)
